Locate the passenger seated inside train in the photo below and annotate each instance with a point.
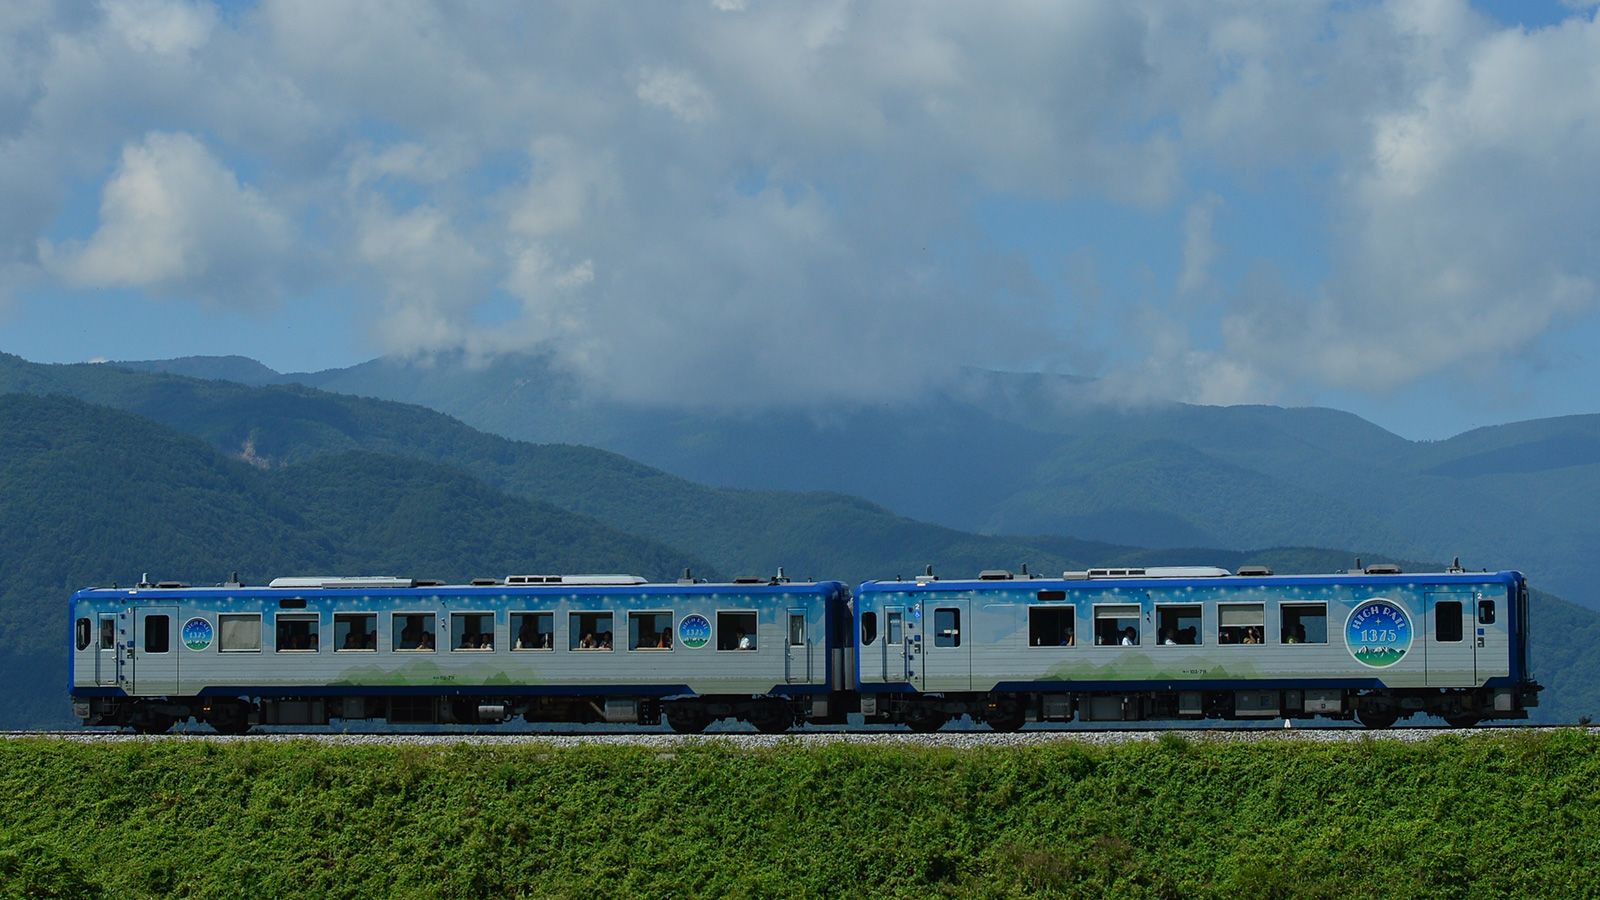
(1130, 637)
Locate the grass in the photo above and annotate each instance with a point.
(1513, 814)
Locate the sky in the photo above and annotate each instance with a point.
(1389, 208)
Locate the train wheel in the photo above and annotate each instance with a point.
(155, 723)
(773, 718)
(925, 720)
(1376, 718)
(1465, 720)
(687, 719)
(230, 719)
(1006, 720)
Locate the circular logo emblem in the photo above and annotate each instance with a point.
(197, 633)
(1378, 633)
(694, 631)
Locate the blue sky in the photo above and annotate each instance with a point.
(1387, 208)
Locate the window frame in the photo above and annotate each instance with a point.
(314, 618)
(1138, 626)
(106, 638)
(671, 625)
(753, 634)
(513, 632)
(239, 616)
(83, 633)
(1199, 627)
(1283, 621)
(1071, 609)
(869, 627)
(394, 633)
(339, 645)
(454, 637)
(573, 634)
(1259, 604)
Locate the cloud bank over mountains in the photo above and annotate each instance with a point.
(758, 205)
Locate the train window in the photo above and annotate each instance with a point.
(1241, 623)
(1177, 624)
(1052, 626)
(534, 631)
(1485, 612)
(472, 631)
(1116, 625)
(1052, 596)
(81, 633)
(892, 636)
(797, 630)
(1447, 619)
(299, 633)
(412, 631)
(1305, 623)
(946, 627)
(355, 631)
(589, 631)
(238, 632)
(650, 631)
(156, 638)
(736, 631)
(108, 632)
(869, 628)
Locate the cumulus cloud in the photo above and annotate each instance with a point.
(820, 203)
(174, 220)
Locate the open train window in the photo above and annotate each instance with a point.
(355, 631)
(82, 633)
(108, 632)
(1177, 624)
(1052, 626)
(589, 631)
(736, 630)
(533, 631)
(869, 628)
(412, 632)
(1241, 623)
(1116, 625)
(156, 637)
(299, 633)
(946, 627)
(1447, 621)
(472, 631)
(1304, 623)
(238, 632)
(650, 631)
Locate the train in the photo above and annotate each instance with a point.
(1371, 645)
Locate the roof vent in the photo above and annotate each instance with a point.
(995, 575)
(312, 582)
(1383, 569)
(533, 579)
(485, 582)
(1253, 571)
(1150, 572)
(600, 579)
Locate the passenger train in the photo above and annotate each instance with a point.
(1104, 645)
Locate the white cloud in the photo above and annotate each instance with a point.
(174, 220)
(159, 26)
(677, 92)
(1199, 245)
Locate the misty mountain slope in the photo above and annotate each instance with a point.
(735, 531)
(89, 495)
(1030, 453)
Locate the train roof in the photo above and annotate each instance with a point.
(304, 583)
(993, 578)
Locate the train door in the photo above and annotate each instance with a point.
(896, 644)
(947, 648)
(796, 649)
(1490, 638)
(108, 648)
(153, 658)
(1449, 654)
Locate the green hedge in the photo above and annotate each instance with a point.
(1513, 814)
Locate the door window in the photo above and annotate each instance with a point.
(797, 630)
(947, 627)
(156, 638)
(1447, 621)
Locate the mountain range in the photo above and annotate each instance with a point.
(1001, 453)
(107, 473)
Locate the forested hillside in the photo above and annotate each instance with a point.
(1001, 453)
(91, 496)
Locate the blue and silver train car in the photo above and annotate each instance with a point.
(1194, 643)
(303, 651)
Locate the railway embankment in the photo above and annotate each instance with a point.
(1507, 813)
